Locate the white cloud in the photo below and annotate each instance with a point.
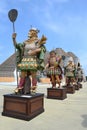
(51, 18)
(59, 20)
(55, 27)
(66, 24)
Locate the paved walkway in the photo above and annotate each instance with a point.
(67, 114)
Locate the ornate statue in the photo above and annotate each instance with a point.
(69, 71)
(54, 70)
(30, 58)
(79, 73)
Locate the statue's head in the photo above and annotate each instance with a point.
(33, 32)
(52, 53)
(68, 60)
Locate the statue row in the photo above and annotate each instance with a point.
(30, 59)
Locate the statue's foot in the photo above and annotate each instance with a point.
(16, 91)
(53, 86)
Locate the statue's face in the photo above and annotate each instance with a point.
(52, 54)
(32, 33)
(70, 62)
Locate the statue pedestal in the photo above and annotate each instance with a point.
(56, 93)
(76, 86)
(70, 89)
(23, 107)
(80, 85)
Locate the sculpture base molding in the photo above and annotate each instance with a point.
(23, 107)
(56, 93)
(80, 85)
(70, 89)
(76, 86)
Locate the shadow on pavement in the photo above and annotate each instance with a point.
(84, 122)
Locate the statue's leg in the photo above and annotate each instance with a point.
(20, 87)
(34, 82)
(58, 80)
(34, 79)
(53, 81)
(27, 85)
(72, 80)
(67, 81)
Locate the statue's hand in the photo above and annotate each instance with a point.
(14, 35)
(45, 68)
(31, 52)
(43, 40)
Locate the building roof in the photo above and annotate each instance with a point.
(7, 67)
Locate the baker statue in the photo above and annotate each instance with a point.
(79, 74)
(54, 70)
(69, 71)
(30, 58)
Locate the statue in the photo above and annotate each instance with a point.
(69, 71)
(54, 71)
(30, 58)
(79, 74)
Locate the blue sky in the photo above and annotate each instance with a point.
(63, 22)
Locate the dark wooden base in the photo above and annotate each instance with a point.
(70, 89)
(76, 86)
(23, 107)
(56, 93)
(80, 85)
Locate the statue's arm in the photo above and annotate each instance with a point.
(34, 52)
(42, 40)
(14, 39)
(48, 64)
